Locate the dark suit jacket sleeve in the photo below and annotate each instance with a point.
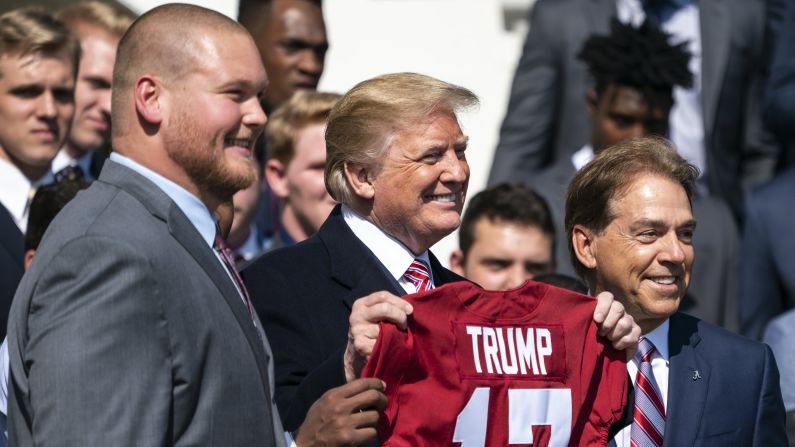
(780, 99)
(98, 356)
(303, 370)
(770, 415)
(527, 130)
(760, 293)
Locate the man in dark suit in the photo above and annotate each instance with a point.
(630, 228)
(634, 70)
(718, 122)
(396, 161)
(131, 326)
(38, 60)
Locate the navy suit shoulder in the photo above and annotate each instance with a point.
(723, 389)
(303, 295)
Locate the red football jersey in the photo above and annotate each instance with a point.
(481, 368)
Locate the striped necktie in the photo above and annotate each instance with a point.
(419, 274)
(648, 426)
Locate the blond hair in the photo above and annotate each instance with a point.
(28, 31)
(301, 110)
(113, 19)
(362, 124)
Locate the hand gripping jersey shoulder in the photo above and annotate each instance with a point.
(480, 368)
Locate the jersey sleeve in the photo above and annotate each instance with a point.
(613, 388)
(391, 357)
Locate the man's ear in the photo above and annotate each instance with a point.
(276, 176)
(29, 258)
(148, 97)
(584, 247)
(592, 99)
(358, 176)
(457, 262)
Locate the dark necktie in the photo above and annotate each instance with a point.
(70, 173)
(648, 426)
(229, 262)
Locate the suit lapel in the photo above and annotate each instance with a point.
(352, 264)
(187, 235)
(183, 231)
(688, 381)
(715, 42)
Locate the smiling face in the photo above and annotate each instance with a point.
(293, 48)
(217, 116)
(419, 190)
(91, 125)
(36, 107)
(645, 255)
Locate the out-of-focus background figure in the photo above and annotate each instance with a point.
(506, 237)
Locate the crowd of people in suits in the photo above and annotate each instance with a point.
(222, 279)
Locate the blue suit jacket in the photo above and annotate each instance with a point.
(767, 268)
(723, 389)
(303, 295)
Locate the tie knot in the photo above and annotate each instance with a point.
(645, 350)
(220, 243)
(419, 274)
(69, 173)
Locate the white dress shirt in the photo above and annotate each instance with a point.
(62, 160)
(16, 192)
(394, 256)
(686, 118)
(660, 361)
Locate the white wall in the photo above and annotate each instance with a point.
(460, 41)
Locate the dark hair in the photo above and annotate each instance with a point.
(637, 57)
(252, 14)
(48, 201)
(506, 202)
(588, 199)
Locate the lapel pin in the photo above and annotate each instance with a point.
(696, 375)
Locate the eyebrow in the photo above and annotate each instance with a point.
(656, 223)
(462, 141)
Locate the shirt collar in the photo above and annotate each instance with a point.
(15, 189)
(191, 206)
(395, 257)
(581, 158)
(62, 160)
(659, 338)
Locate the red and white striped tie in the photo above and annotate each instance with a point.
(419, 274)
(648, 426)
